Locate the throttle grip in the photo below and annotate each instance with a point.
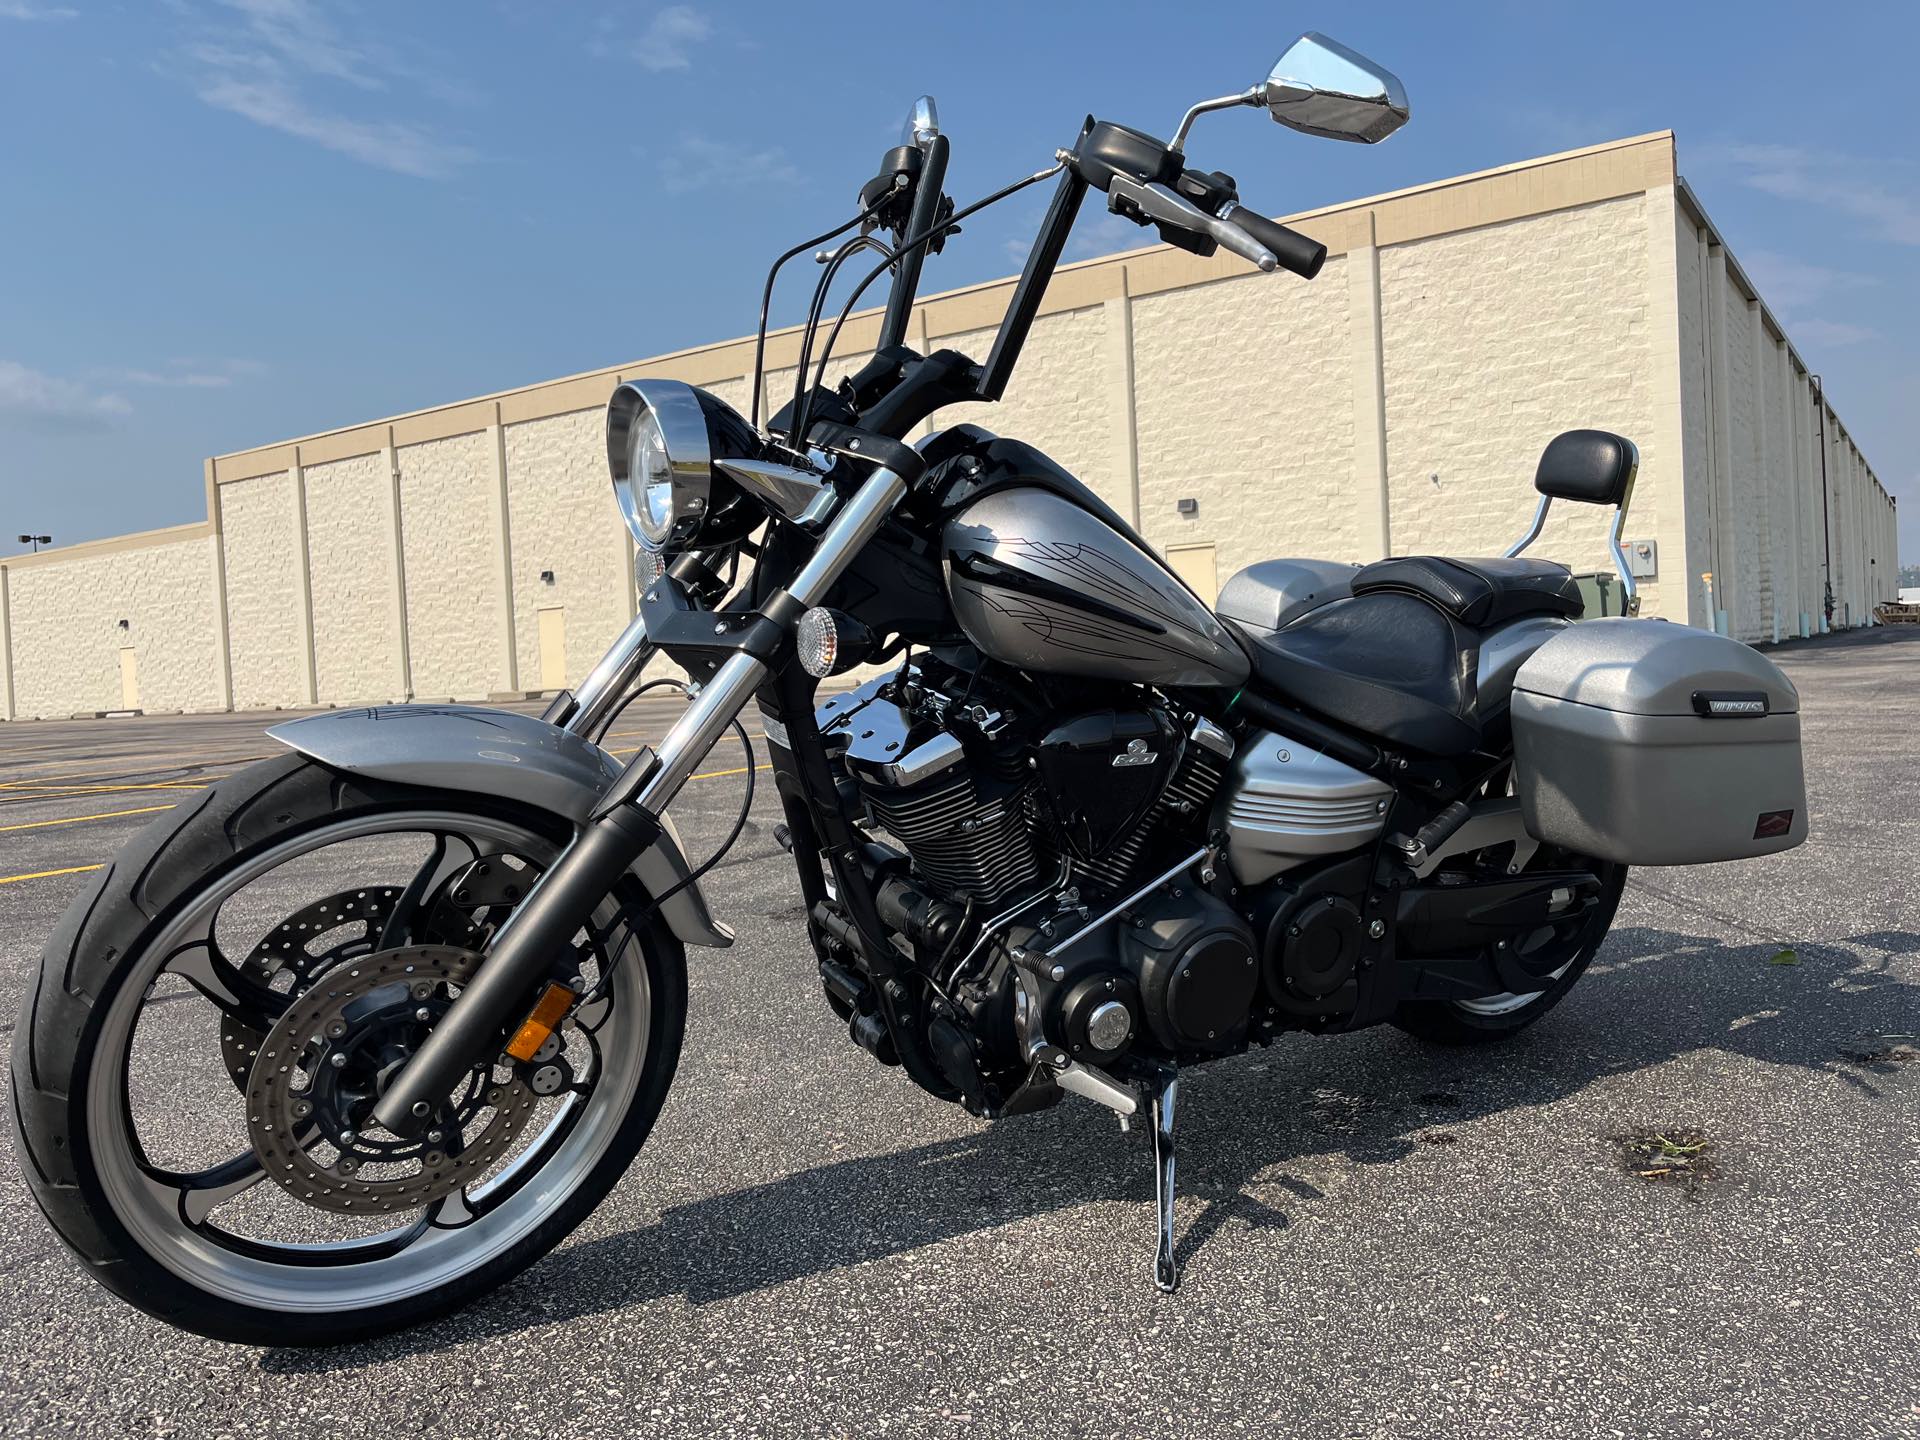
(1299, 253)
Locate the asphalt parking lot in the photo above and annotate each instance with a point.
(1380, 1237)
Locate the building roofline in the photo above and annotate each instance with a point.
(1074, 285)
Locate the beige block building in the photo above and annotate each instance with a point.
(1395, 405)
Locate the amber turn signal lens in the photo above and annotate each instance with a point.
(541, 1023)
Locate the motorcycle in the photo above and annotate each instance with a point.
(1084, 830)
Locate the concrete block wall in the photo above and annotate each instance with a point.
(1761, 546)
(63, 609)
(1397, 404)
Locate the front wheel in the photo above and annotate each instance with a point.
(214, 1017)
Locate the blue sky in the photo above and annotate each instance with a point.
(226, 222)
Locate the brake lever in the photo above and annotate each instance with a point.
(1156, 202)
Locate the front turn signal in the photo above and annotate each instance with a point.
(541, 1022)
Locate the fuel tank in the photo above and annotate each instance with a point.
(1041, 583)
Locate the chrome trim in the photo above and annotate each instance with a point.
(608, 682)
(1253, 95)
(797, 494)
(1209, 736)
(1008, 916)
(1616, 547)
(1097, 1086)
(863, 514)
(1146, 889)
(1628, 586)
(1533, 530)
(733, 684)
(683, 429)
(923, 124)
(1157, 202)
(1320, 87)
(1166, 1268)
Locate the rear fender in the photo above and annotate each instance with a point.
(480, 751)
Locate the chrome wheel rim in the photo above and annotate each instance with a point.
(178, 1224)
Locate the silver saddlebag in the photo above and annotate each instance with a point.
(1657, 744)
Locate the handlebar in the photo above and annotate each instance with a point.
(1299, 253)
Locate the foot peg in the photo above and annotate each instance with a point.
(1166, 1271)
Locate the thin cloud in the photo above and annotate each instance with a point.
(20, 10)
(1789, 283)
(1846, 184)
(189, 374)
(699, 162)
(267, 99)
(42, 399)
(1104, 236)
(302, 37)
(274, 66)
(667, 42)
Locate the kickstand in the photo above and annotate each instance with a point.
(1166, 1273)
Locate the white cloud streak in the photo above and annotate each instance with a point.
(38, 398)
(21, 10)
(188, 374)
(266, 68)
(667, 42)
(1864, 189)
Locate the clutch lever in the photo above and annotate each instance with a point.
(1156, 202)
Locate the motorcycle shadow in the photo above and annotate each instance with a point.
(1652, 996)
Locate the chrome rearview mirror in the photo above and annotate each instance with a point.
(1320, 87)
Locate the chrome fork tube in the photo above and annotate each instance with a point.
(610, 680)
(706, 720)
(524, 949)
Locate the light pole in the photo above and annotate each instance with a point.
(36, 541)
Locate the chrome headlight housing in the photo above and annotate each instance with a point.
(661, 461)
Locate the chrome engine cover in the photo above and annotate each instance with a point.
(965, 825)
(1284, 803)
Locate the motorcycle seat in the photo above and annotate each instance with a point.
(1397, 658)
(1388, 664)
(1479, 593)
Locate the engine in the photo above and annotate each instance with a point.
(990, 803)
(1016, 832)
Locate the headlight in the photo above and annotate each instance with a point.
(658, 453)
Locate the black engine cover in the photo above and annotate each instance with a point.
(1197, 970)
(1102, 773)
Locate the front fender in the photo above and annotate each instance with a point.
(481, 751)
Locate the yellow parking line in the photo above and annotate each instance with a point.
(81, 819)
(48, 874)
(71, 792)
(76, 819)
(717, 774)
(136, 765)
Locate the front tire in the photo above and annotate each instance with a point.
(84, 1158)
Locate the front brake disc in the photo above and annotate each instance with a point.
(350, 923)
(320, 1070)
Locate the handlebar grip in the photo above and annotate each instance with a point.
(1299, 253)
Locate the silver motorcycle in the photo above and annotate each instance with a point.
(1085, 830)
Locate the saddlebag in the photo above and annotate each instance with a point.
(1657, 744)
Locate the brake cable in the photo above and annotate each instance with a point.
(635, 920)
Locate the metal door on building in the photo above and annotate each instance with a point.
(1194, 564)
(129, 678)
(553, 647)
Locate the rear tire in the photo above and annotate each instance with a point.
(103, 945)
(1455, 1022)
